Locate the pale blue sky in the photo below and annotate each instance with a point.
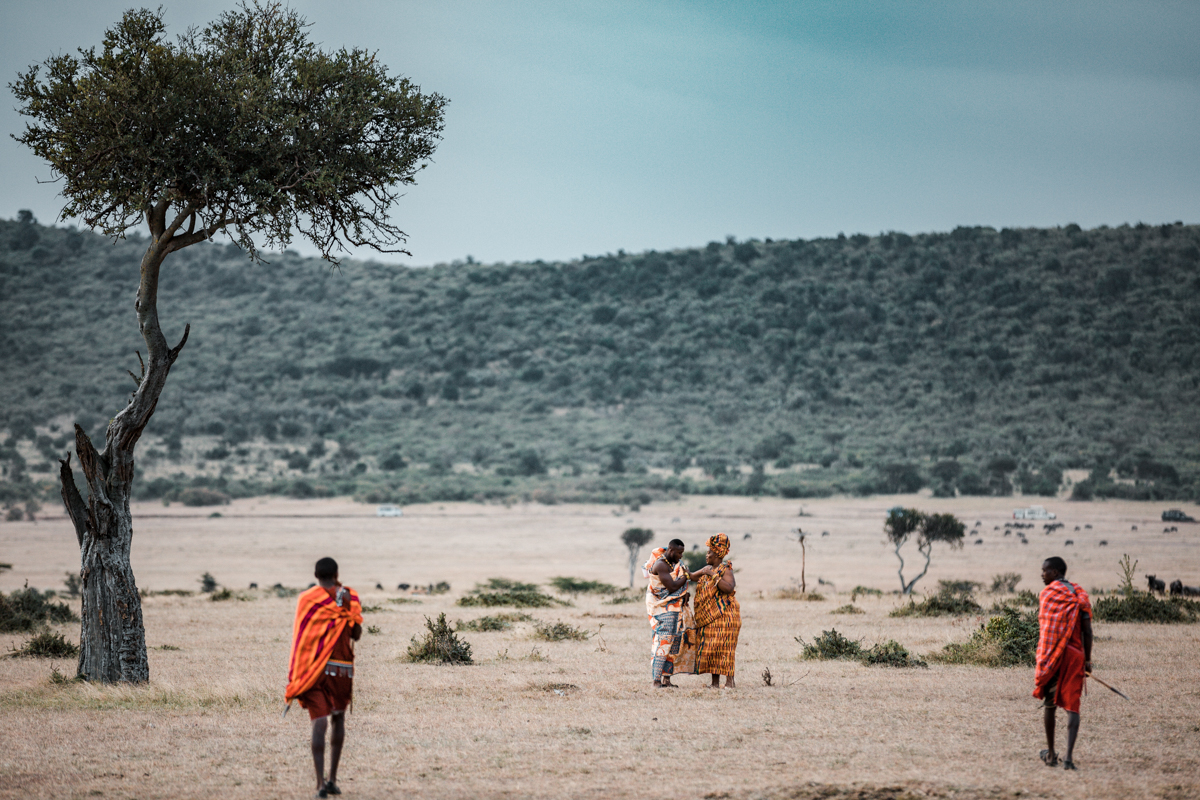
(591, 127)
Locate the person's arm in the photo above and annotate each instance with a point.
(356, 631)
(727, 583)
(1085, 625)
(663, 570)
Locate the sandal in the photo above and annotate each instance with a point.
(331, 788)
(1070, 765)
(1049, 758)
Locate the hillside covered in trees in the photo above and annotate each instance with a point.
(973, 362)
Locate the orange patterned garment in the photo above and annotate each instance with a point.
(718, 622)
(1060, 644)
(319, 623)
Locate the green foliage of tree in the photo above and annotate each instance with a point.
(901, 524)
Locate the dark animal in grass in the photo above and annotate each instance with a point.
(1156, 585)
(1076, 527)
(403, 586)
(1133, 527)
(1088, 526)
(254, 586)
(1104, 542)
(1068, 542)
(1176, 587)
(1191, 591)
(744, 538)
(824, 533)
(1008, 533)
(379, 586)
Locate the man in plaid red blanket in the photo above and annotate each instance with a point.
(1064, 653)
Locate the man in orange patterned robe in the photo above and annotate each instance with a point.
(1064, 653)
(321, 667)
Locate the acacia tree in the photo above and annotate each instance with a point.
(244, 128)
(902, 523)
(635, 539)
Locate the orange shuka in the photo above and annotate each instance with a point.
(319, 623)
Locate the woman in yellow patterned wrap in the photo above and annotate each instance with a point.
(718, 617)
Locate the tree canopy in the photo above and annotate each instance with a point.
(244, 125)
(902, 523)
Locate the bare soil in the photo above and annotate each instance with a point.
(580, 719)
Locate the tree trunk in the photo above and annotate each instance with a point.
(633, 559)
(112, 638)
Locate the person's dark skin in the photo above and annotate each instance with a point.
(663, 568)
(1049, 576)
(338, 733)
(725, 585)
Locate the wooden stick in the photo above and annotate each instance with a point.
(1106, 686)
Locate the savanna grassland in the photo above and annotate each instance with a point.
(533, 718)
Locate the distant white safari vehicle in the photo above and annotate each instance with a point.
(1033, 512)
(389, 511)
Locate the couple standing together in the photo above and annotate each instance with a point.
(692, 636)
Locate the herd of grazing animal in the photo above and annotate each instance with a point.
(1177, 587)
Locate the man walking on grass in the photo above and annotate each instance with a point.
(1064, 654)
(321, 668)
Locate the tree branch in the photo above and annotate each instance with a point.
(77, 510)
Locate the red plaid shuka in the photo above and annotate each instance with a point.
(1059, 606)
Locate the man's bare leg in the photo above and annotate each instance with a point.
(1072, 733)
(337, 735)
(1049, 720)
(716, 681)
(729, 684)
(318, 749)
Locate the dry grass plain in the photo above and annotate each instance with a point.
(208, 724)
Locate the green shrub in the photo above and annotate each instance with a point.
(580, 586)
(939, 605)
(892, 654)
(959, 587)
(830, 645)
(848, 609)
(559, 631)
(503, 592)
(495, 622)
(439, 645)
(631, 596)
(26, 609)
(864, 591)
(1005, 582)
(1143, 607)
(1008, 639)
(47, 644)
(208, 583)
(695, 559)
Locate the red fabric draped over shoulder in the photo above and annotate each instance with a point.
(319, 623)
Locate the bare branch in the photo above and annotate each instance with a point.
(77, 509)
(173, 353)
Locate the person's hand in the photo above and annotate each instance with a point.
(705, 570)
(1087, 666)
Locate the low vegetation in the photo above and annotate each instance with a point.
(439, 645)
(1008, 639)
(944, 603)
(504, 592)
(47, 644)
(1144, 607)
(1005, 582)
(831, 645)
(28, 609)
(559, 632)
(849, 608)
(864, 591)
(796, 593)
(493, 622)
(580, 586)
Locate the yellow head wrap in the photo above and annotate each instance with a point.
(719, 544)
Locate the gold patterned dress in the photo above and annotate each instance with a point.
(718, 620)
